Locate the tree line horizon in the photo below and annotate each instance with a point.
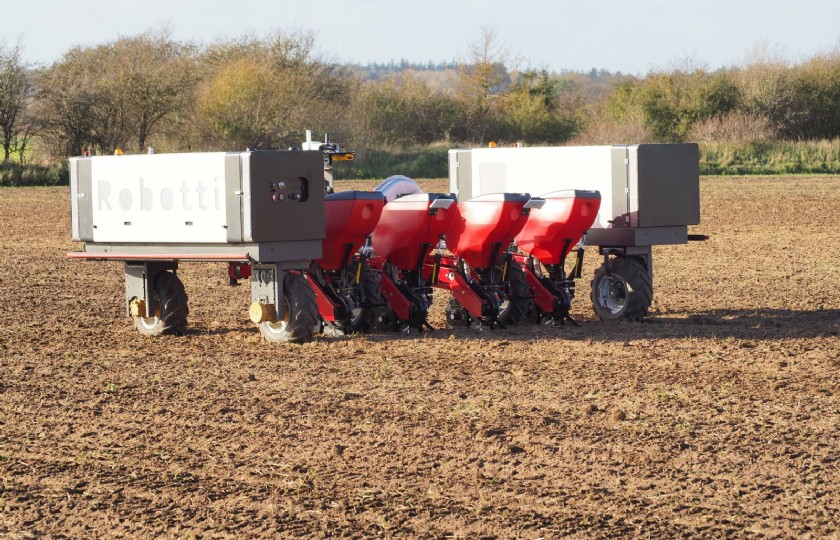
(264, 92)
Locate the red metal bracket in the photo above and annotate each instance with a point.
(542, 296)
(398, 303)
(326, 307)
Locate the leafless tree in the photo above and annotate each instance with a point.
(156, 77)
(483, 77)
(116, 94)
(76, 105)
(16, 90)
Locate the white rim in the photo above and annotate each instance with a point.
(276, 328)
(612, 294)
(149, 323)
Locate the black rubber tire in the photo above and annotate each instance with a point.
(300, 313)
(373, 303)
(169, 304)
(385, 320)
(516, 307)
(623, 293)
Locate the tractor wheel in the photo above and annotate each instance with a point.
(300, 313)
(169, 305)
(623, 292)
(515, 307)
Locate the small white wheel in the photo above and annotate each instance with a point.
(168, 300)
(300, 313)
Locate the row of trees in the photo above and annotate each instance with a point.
(256, 92)
(767, 99)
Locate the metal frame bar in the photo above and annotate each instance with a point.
(195, 257)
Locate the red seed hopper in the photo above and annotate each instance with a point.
(409, 227)
(487, 286)
(346, 288)
(351, 217)
(558, 225)
(552, 231)
(485, 225)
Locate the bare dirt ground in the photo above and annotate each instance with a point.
(718, 417)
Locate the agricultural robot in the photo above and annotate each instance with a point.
(347, 262)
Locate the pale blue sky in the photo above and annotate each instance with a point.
(629, 36)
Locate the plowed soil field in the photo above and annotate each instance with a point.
(717, 417)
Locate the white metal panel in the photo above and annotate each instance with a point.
(633, 184)
(74, 199)
(167, 198)
(247, 230)
(539, 170)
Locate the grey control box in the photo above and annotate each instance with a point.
(650, 193)
(268, 203)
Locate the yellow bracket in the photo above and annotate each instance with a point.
(137, 308)
(260, 313)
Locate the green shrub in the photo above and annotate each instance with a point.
(670, 103)
(14, 174)
(770, 157)
(424, 162)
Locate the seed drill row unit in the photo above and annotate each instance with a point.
(352, 261)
